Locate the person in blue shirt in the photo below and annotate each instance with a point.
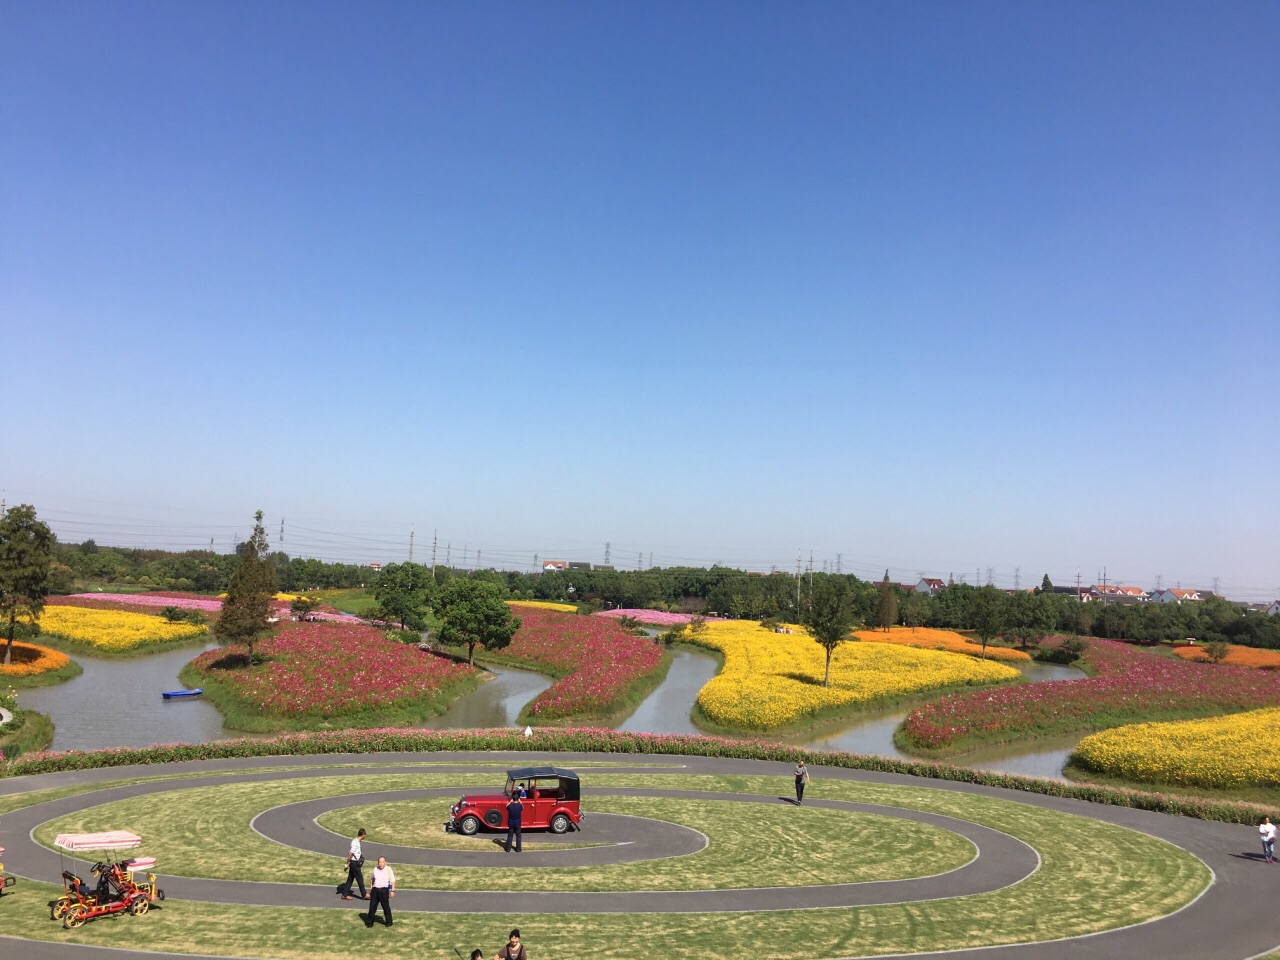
(515, 815)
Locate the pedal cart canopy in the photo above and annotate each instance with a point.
(111, 840)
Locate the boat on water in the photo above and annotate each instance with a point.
(182, 694)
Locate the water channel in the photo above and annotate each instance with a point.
(117, 703)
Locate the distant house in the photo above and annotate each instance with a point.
(1274, 608)
(1112, 591)
(554, 565)
(1083, 594)
(579, 565)
(1175, 595)
(930, 585)
(376, 567)
(907, 587)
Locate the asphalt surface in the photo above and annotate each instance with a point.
(1235, 919)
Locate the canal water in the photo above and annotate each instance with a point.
(117, 703)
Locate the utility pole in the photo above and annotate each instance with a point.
(434, 541)
(810, 575)
(1104, 586)
(1017, 578)
(839, 564)
(477, 558)
(797, 581)
(282, 529)
(411, 532)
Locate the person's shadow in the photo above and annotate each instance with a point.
(791, 800)
(1257, 857)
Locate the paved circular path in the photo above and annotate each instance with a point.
(1235, 919)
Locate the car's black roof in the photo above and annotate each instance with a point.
(537, 773)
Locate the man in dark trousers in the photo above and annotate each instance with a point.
(382, 887)
(515, 816)
(355, 867)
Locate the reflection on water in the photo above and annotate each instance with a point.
(493, 704)
(117, 703)
(667, 709)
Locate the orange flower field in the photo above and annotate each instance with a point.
(1237, 656)
(29, 660)
(927, 638)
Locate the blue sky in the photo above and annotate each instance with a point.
(938, 287)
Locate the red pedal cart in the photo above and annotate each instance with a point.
(6, 879)
(116, 889)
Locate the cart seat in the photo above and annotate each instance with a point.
(139, 863)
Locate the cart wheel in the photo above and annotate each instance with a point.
(560, 823)
(75, 916)
(140, 905)
(469, 825)
(59, 908)
(159, 894)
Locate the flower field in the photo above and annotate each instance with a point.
(599, 659)
(544, 605)
(771, 680)
(114, 631)
(1131, 686)
(1218, 752)
(655, 618)
(144, 600)
(1255, 657)
(328, 670)
(30, 660)
(927, 638)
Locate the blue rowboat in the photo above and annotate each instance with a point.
(180, 694)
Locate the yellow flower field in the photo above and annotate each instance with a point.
(29, 660)
(771, 680)
(544, 605)
(927, 638)
(114, 631)
(1232, 751)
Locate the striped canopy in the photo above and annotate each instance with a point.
(111, 840)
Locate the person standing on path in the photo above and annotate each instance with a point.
(802, 779)
(382, 887)
(355, 867)
(1267, 830)
(513, 949)
(515, 818)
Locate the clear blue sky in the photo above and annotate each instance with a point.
(936, 286)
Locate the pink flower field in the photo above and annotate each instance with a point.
(327, 670)
(1131, 685)
(600, 658)
(141, 602)
(656, 618)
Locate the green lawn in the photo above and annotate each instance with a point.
(1093, 876)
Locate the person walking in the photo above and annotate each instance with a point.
(382, 887)
(802, 780)
(515, 818)
(1267, 830)
(355, 867)
(513, 949)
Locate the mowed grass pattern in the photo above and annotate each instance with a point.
(801, 846)
(1093, 877)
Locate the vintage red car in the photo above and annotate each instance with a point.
(552, 801)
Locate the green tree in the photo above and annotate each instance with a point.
(300, 606)
(987, 607)
(26, 551)
(829, 616)
(250, 592)
(473, 613)
(1031, 616)
(1046, 585)
(886, 603)
(915, 609)
(403, 592)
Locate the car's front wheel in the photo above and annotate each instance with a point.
(469, 825)
(560, 823)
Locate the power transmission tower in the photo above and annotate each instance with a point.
(435, 541)
(477, 558)
(448, 554)
(797, 581)
(991, 576)
(607, 547)
(411, 533)
(1017, 578)
(839, 563)
(282, 529)
(1215, 585)
(535, 563)
(1159, 581)
(650, 559)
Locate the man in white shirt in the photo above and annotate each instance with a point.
(1267, 830)
(355, 867)
(382, 887)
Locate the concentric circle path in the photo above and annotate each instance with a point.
(1233, 920)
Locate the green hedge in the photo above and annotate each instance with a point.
(592, 740)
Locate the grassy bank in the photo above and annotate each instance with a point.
(27, 732)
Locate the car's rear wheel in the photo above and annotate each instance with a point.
(560, 823)
(493, 818)
(469, 825)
